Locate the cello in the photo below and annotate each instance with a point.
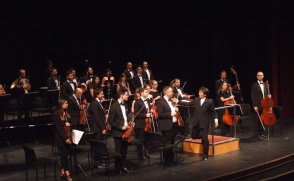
(267, 115)
(227, 117)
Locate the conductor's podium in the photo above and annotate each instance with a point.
(221, 145)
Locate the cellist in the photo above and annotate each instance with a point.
(224, 95)
(258, 92)
(61, 140)
(119, 124)
(140, 120)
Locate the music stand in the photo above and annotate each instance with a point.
(4, 99)
(238, 96)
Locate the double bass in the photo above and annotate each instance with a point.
(227, 117)
(267, 115)
(237, 81)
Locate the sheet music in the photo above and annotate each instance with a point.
(76, 136)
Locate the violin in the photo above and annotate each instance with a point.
(148, 127)
(84, 113)
(107, 126)
(67, 129)
(227, 117)
(178, 116)
(154, 108)
(267, 115)
(127, 136)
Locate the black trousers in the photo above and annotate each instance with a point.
(204, 136)
(63, 156)
(169, 137)
(121, 147)
(257, 128)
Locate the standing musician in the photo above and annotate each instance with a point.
(154, 92)
(62, 141)
(224, 95)
(74, 106)
(75, 79)
(22, 86)
(53, 82)
(167, 122)
(139, 79)
(119, 124)
(203, 111)
(89, 77)
(105, 81)
(68, 86)
(98, 116)
(178, 91)
(130, 73)
(122, 82)
(47, 71)
(94, 85)
(136, 96)
(2, 91)
(148, 73)
(143, 101)
(258, 92)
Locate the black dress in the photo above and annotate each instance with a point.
(225, 128)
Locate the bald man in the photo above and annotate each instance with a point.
(74, 107)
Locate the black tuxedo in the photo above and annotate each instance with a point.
(128, 75)
(116, 121)
(140, 118)
(175, 91)
(51, 84)
(256, 97)
(47, 74)
(98, 119)
(137, 82)
(150, 72)
(218, 84)
(86, 78)
(202, 116)
(74, 111)
(66, 90)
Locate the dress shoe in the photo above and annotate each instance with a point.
(262, 137)
(204, 158)
(125, 170)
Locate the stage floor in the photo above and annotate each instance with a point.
(250, 154)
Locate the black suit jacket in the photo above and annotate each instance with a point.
(150, 72)
(140, 118)
(97, 114)
(51, 84)
(66, 90)
(73, 110)
(202, 113)
(137, 82)
(128, 75)
(86, 78)
(176, 93)
(164, 115)
(59, 136)
(256, 95)
(116, 119)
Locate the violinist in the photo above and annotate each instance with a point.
(148, 88)
(74, 106)
(119, 124)
(60, 117)
(136, 96)
(143, 101)
(97, 114)
(167, 122)
(258, 92)
(178, 91)
(94, 85)
(224, 96)
(122, 82)
(154, 92)
(203, 110)
(53, 81)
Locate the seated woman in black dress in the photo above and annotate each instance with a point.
(62, 141)
(94, 85)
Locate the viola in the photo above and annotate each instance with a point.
(67, 130)
(227, 117)
(179, 117)
(267, 115)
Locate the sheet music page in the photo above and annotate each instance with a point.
(76, 136)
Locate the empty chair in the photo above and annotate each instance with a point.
(11, 108)
(31, 159)
(38, 106)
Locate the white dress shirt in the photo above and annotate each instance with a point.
(173, 109)
(123, 110)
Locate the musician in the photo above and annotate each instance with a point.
(218, 83)
(148, 73)
(74, 106)
(139, 79)
(75, 79)
(60, 118)
(22, 86)
(130, 73)
(68, 86)
(47, 71)
(224, 95)
(98, 116)
(2, 91)
(119, 124)
(143, 101)
(258, 92)
(154, 92)
(94, 85)
(122, 82)
(53, 82)
(105, 81)
(178, 91)
(203, 111)
(136, 96)
(89, 77)
(167, 122)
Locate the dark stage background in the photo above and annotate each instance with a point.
(191, 40)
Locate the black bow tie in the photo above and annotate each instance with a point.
(91, 76)
(122, 104)
(260, 82)
(71, 82)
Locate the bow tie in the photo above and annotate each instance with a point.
(139, 75)
(91, 76)
(122, 104)
(71, 82)
(260, 82)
